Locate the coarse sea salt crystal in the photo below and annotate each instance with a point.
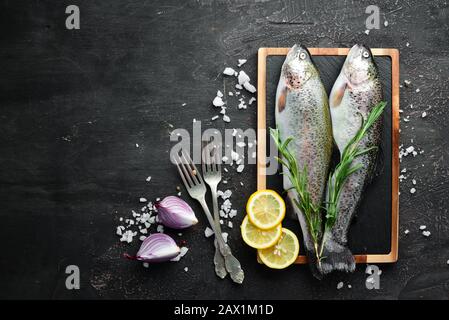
(407, 231)
(148, 179)
(214, 118)
(160, 228)
(424, 114)
(146, 265)
(229, 71)
(182, 253)
(208, 232)
(422, 227)
(141, 238)
(414, 181)
(186, 269)
(238, 86)
(250, 102)
(367, 32)
(240, 168)
(386, 23)
(412, 190)
(219, 94)
(248, 86)
(218, 102)
(241, 144)
(426, 233)
(242, 62)
(230, 225)
(242, 77)
(340, 285)
(142, 200)
(137, 145)
(230, 93)
(226, 118)
(225, 236)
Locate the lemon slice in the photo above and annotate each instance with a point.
(258, 238)
(265, 209)
(283, 253)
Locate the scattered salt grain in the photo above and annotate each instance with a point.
(250, 102)
(418, 90)
(145, 264)
(186, 269)
(142, 200)
(219, 94)
(248, 86)
(240, 168)
(412, 190)
(137, 145)
(218, 101)
(426, 233)
(182, 253)
(226, 118)
(230, 225)
(208, 232)
(148, 179)
(214, 118)
(339, 285)
(229, 71)
(241, 62)
(414, 182)
(349, 286)
(407, 231)
(407, 83)
(386, 23)
(141, 238)
(367, 32)
(160, 228)
(184, 104)
(423, 227)
(241, 144)
(238, 86)
(225, 236)
(230, 93)
(424, 114)
(242, 77)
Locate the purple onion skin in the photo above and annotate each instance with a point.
(175, 213)
(157, 247)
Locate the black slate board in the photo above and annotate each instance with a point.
(370, 232)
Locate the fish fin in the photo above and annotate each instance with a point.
(336, 257)
(338, 91)
(282, 98)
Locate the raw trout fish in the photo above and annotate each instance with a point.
(356, 91)
(302, 112)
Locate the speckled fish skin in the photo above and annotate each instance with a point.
(356, 91)
(302, 112)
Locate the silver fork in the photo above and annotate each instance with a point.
(197, 190)
(212, 176)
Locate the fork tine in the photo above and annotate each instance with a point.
(191, 165)
(181, 174)
(190, 170)
(214, 159)
(186, 172)
(205, 162)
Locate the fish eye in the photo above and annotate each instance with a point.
(365, 54)
(302, 55)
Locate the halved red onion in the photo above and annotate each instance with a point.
(173, 212)
(157, 247)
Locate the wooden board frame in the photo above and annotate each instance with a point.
(262, 143)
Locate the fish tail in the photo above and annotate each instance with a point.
(336, 256)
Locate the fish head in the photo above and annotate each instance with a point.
(298, 67)
(359, 66)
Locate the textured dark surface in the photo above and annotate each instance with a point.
(370, 232)
(73, 104)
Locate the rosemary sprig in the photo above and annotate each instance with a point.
(298, 179)
(344, 168)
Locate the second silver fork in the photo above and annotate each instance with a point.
(212, 176)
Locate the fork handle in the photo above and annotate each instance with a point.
(231, 263)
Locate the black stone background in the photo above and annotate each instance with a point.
(75, 102)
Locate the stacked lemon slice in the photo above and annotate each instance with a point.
(261, 229)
